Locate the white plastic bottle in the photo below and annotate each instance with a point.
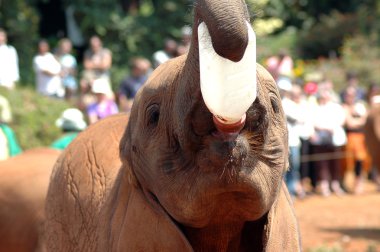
(228, 88)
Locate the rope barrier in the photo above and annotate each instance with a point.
(324, 156)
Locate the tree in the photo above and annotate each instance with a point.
(127, 31)
(322, 25)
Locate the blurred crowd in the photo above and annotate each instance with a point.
(325, 130)
(89, 91)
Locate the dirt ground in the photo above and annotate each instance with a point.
(346, 223)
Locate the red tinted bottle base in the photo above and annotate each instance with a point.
(227, 131)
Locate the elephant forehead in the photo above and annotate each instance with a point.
(266, 79)
(165, 74)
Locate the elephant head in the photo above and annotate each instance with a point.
(205, 182)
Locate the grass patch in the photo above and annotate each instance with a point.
(34, 117)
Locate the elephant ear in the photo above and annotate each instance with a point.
(376, 122)
(282, 232)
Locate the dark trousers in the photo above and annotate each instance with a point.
(329, 168)
(307, 169)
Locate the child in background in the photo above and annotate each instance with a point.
(71, 123)
(104, 106)
(9, 146)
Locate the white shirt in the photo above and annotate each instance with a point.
(48, 84)
(304, 125)
(68, 61)
(160, 57)
(9, 72)
(291, 112)
(331, 116)
(4, 150)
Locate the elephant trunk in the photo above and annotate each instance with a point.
(224, 27)
(226, 48)
(226, 21)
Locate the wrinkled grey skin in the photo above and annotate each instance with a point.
(180, 187)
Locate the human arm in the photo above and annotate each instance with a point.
(47, 65)
(106, 61)
(70, 66)
(92, 114)
(102, 61)
(355, 120)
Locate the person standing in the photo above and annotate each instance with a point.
(352, 81)
(356, 116)
(47, 69)
(68, 67)
(131, 84)
(327, 142)
(294, 119)
(97, 64)
(9, 72)
(169, 52)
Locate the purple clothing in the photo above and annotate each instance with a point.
(102, 110)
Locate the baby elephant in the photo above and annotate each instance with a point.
(24, 181)
(177, 175)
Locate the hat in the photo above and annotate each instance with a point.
(101, 86)
(72, 120)
(310, 88)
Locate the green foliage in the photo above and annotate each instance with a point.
(34, 117)
(137, 33)
(326, 37)
(273, 44)
(330, 69)
(323, 25)
(301, 13)
(362, 55)
(359, 54)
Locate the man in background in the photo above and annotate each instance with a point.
(131, 84)
(9, 72)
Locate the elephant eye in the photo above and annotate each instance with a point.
(153, 115)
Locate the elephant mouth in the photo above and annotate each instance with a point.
(231, 153)
(224, 155)
(228, 132)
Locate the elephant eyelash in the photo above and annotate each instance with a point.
(273, 101)
(153, 115)
(257, 126)
(257, 117)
